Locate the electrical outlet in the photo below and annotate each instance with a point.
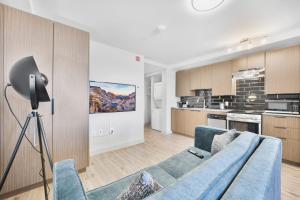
(112, 131)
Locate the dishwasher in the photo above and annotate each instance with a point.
(217, 120)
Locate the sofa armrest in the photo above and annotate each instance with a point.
(66, 182)
(204, 136)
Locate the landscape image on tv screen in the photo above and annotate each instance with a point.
(111, 97)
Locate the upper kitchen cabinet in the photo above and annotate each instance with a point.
(256, 60)
(206, 77)
(195, 78)
(239, 64)
(222, 79)
(201, 78)
(183, 84)
(283, 71)
(248, 62)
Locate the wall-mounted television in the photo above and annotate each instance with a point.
(106, 97)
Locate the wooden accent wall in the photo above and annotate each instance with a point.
(71, 94)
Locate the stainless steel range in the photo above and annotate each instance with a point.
(245, 120)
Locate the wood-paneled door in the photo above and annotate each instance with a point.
(1, 90)
(25, 35)
(283, 71)
(71, 94)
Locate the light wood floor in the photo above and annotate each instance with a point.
(114, 165)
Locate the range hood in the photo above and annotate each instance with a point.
(254, 73)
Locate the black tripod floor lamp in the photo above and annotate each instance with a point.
(26, 79)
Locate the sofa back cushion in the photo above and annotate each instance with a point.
(210, 179)
(204, 136)
(262, 172)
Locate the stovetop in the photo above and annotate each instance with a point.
(249, 112)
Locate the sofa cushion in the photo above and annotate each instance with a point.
(183, 162)
(210, 179)
(220, 141)
(261, 172)
(112, 190)
(143, 186)
(204, 136)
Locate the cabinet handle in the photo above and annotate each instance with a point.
(52, 106)
(279, 116)
(280, 127)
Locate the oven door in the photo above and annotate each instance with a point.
(253, 127)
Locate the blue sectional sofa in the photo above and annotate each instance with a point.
(248, 168)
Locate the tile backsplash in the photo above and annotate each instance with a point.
(249, 95)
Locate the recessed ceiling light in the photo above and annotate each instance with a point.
(206, 5)
(263, 40)
(161, 27)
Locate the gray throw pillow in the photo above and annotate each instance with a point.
(143, 186)
(220, 141)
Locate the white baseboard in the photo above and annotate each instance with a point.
(97, 151)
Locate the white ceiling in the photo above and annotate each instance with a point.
(132, 24)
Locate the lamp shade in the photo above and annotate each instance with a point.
(19, 79)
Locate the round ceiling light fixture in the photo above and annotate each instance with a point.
(206, 5)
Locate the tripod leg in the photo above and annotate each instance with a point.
(13, 156)
(42, 160)
(40, 124)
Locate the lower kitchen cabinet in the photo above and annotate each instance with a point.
(178, 120)
(185, 121)
(288, 130)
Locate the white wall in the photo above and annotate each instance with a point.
(111, 64)
(147, 99)
(169, 80)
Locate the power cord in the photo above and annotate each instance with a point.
(19, 123)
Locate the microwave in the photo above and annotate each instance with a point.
(283, 106)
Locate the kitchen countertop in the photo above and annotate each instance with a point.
(205, 109)
(281, 114)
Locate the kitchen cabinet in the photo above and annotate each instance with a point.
(283, 71)
(195, 78)
(206, 77)
(183, 83)
(192, 120)
(239, 64)
(222, 79)
(288, 130)
(201, 78)
(256, 60)
(248, 62)
(185, 121)
(178, 120)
